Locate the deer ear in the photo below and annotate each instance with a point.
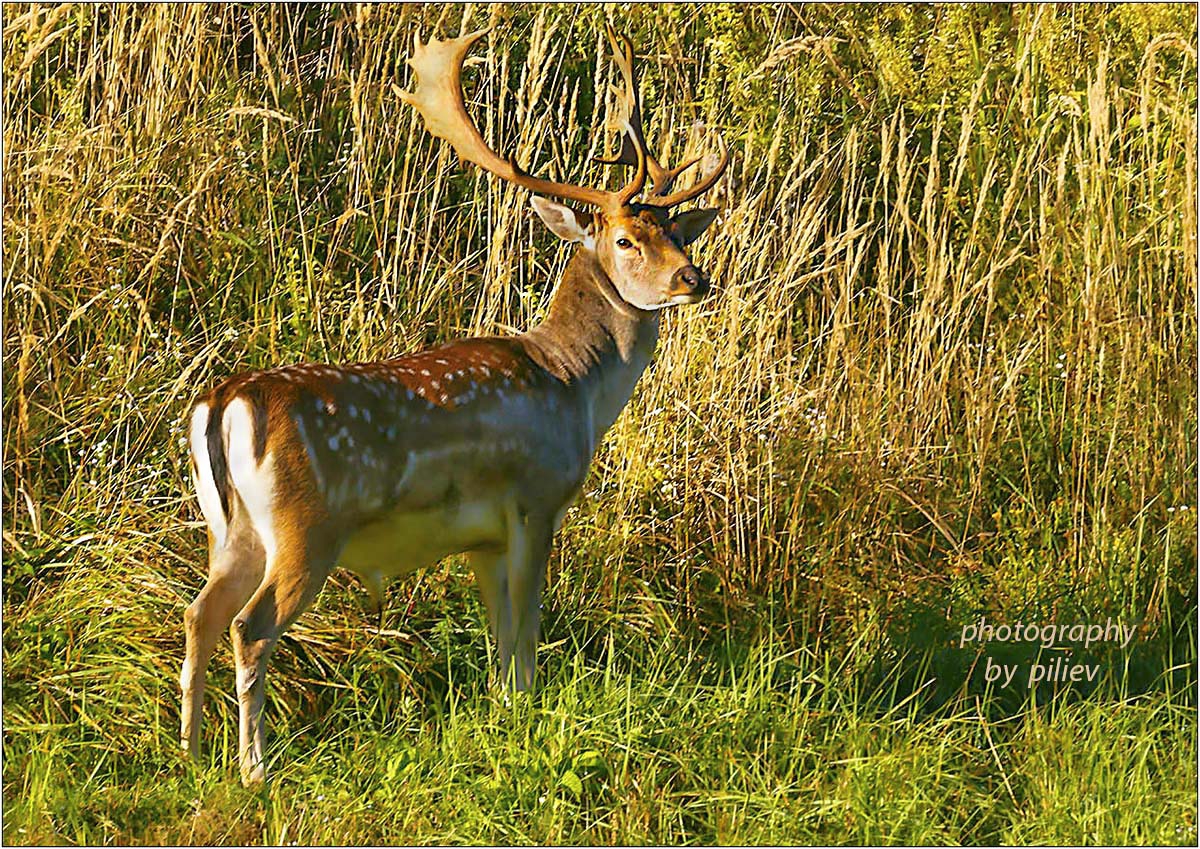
(562, 221)
(689, 226)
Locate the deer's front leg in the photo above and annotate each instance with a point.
(293, 579)
(529, 538)
(491, 573)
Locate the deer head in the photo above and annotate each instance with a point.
(634, 237)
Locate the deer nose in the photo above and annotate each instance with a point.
(689, 281)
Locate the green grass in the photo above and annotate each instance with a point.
(948, 372)
(629, 740)
(638, 733)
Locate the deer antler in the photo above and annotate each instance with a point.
(439, 99)
(633, 142)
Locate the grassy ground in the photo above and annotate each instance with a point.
(948, 373)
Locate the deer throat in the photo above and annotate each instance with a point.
(595, 342)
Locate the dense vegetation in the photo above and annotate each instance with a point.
(949, 372)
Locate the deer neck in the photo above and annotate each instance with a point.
(594, 341)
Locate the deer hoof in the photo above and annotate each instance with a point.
(254, 776)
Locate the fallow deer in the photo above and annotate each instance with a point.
(476, 447)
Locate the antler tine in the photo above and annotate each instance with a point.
(439, 100)
(639, 178)
(634, 140)
(706, 183)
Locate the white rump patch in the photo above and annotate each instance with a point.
(255, 482)
(206, 487)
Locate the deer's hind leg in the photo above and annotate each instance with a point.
(295, 574)
(235, 568)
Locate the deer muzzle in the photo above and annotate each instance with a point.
(688, 285)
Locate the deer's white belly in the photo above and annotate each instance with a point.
(406, 540)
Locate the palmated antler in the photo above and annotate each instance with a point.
(633, 142)
(439, 99)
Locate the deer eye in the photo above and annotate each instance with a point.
(624, 243)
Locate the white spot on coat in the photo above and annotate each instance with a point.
(314, 462)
